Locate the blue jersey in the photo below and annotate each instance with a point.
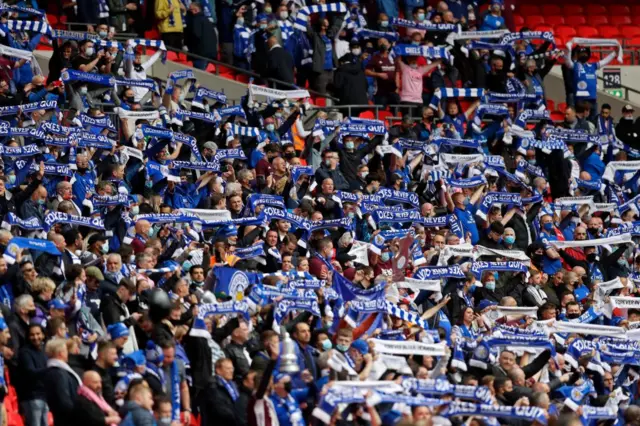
(328, 53)
(549, 266)
(468, 224)
(585, 82)
(492, 23)
(242, 42)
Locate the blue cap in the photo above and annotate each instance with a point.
(361, 346)
(57, 304)
(280, 376)
(581, 293)
(153, 353)
(484, 304)
(117, 330)
(134, 359)
(227, 231)
(262, 17)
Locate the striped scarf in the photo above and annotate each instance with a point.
(103, 9)
(449, 92)
(35, 26)
(302, 18)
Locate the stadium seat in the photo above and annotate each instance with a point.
(587, 31)
(596, 9)
(609, 31)
(529, 9)
(629, 31)
(243, 78)
(367, 115)
(383, 114)
(551, 9)
(534, 20)
(172, 56)
(572, 10)
(634, 42)
(543, 27)
(557, 116)
(554, 20)
(562, 107)
(597, 20)
(635, 19)
(635, 11)
(565, 32)
(620, 20)
(575, 20)
(518, 20)
(551, 105)
(619, 9)
(53, 19)
(211, 68)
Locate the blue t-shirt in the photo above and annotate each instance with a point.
(585, 82)
(328, 54)
(549, 266)
(492, 23)
(468, 224)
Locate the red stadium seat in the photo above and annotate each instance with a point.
(575, 20)
(243, 78)
(368, 115)
(554, 20)
(172, 56)
(635, 11)
(543, 27)
(211, 68)
(572, 10)
(152, 34)
(596, 9)
(557, 116)
(620, 20)
(565, 32)
(53, 19)
(619, 9)
(534, 20)
(596, 20)
(518, 20)
(551, 9)
(383, 114)
(635, 19)
(634, 42)
(629, 31)
(609, 31)
(562, 107)
(551, 105)
(587, 31)
(529, 9)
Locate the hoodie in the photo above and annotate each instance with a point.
(350, 83)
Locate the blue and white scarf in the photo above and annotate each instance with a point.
(204, 93)
(427, 26)
(424, 51)
(283, 307)
(467, 183)
(302, 17)
(365, 33)
(448, 92)
(438, 272)
(109, 200)
(19, 151)
(58, 217)
(31, 224)
(249, 252)
(74, 75)
(204, 166)
(230, 154)
(34, 26)
(102, 122)
(497, 197)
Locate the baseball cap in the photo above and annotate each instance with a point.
(484, 304)
(94, 272)
(211, 145)
(117, 330)
(361, 346)
(627, 108)
(57, 304)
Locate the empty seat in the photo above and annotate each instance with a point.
(629, 31)
(609, 31)
(635, 19)
(575, 20)
(368, 114)
(572, 10)
(551, 105)
(554, 20)
(551, 9)
(620, 20)
(587, 31)
(596, 20)
(635, 11)
(596, 9)
(518, 20)
(557, 116)
(529, 9)
(634, 42)
(562, 107)
(211, 68)
(565, 32)
(534, 20)
(619, 9)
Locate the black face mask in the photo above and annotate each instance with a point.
(130, 99)
(593, 231)
(288, 387)
(138, 68)
(289, 155)
(573, 316)
(537, 258)
(32, 313)
(592, 257)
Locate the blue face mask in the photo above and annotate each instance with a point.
(490, 285)
(385, 256)
(327, 345)
(351, 215)
(41, 201)
(420, 17)
(151, 232)
(349, 145)
(270, 127)
(509, 239)
(12, 179)
(548, 226)
(263, 26)
(342, 348)
(384, 24)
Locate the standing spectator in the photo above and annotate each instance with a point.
(493, 20)
(32, 363)
(411, 75)
(382, 68)
(170, 25)
(236, 351)
(61, 383)
(350, 82)
(324, 59)
(221, 395)
(242, 43)
(279, 64)
(200, 36)
(90, 408)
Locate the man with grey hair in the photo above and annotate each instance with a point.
(24, 310)
(64, 192)
(60, 382)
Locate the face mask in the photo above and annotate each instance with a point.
(41, 202)
(414, 66)
(356, 52)
(548, 226)
(532, 161)
(364, 175)
(573, 316)
(385, 256)
(102, 34)
(83, 90)
(537, 258)
(384, 48)
(132, 258)
(342, 348)
(105, 248)
(268, 10)
(150, 232)
(509, 239)
(135, 210)
(32, 313)
(186, 265)
(240, 21)
(284, 15)
(415, 43)
(288, 387)
(384, 24)
(351, 215)
(89, 51)
(270, 127)
(327, 163)
(326, 345)
(490, 285)
(12, 179)
(592, 257)
(467, 200)
(263, 26)
(420, 16)
(349, 145)
(165, 420)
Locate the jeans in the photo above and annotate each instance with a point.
(35, 412)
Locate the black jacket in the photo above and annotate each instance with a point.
(628, 132)
(216, 405)
(242, 404)
(86, 413)
(350, 83)
(235, 353)
(280, 66)
(113, 311)
(108, 392)
(200, 37)
(32, 363)
(529, 370)
(62, 391)
(319, 47)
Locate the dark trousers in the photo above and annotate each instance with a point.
(173, 40)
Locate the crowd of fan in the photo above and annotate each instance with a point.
(171, 259)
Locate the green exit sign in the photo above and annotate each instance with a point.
(618, 93)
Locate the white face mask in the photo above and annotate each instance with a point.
(284, 15)
(89, 51)
(356, 52)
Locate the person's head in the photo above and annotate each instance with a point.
(56, 348)
(517, 376)
(87, 49)
(627, 112)
(546, 223)
(107, 354)
(580, 233)
(240, 334)
(605, 111)
(548, 311)
(302, 333)
(114, 262)
(344, 337)
(141, 394)
(330, 159)
(421, 413)
(325, 247)
(570, 115)
(125, 290)
(573, 310)
(39, 196)
(418, 14)
(195, 7)
(92, 380)
(36, 335)
(168, 352)
(452, 108)
(497, 64)
(25, 307)
(224, 368)
(507, 360)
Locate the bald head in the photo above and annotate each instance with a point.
(142, 227)
(508, 301)
(92, 380)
